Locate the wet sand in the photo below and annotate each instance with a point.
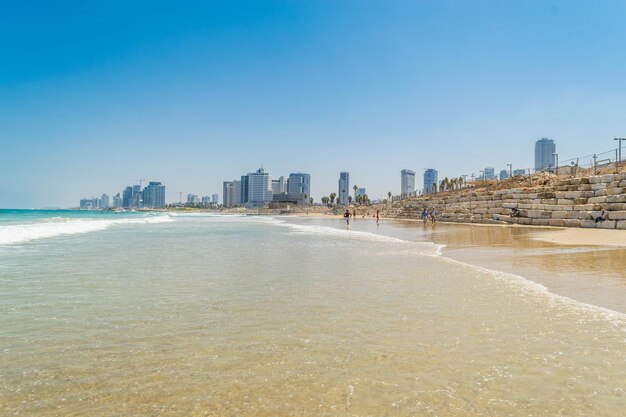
(586, 265)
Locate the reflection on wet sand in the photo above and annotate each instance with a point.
(591, 274)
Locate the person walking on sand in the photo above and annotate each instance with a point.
(346, 216)
(425, 216)
(433, 215)
(377, 216)
(354, 214)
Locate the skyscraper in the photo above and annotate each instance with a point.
(430, 180)
(127, 197)
(244, 190)
(154, 195)
(117, 200)
(214, 198)
(407, 182)
(504, 174)
(278, 186)
(259, 187)
(237, 200)
(544, 154)
(490, 173)
(104, 201)
(344, 188)
(227, 194)
(299, 183)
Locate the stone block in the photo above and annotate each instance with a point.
(608, 178)
(614, 191)
(616, 206)
(573, 194)
(598, 186)
(599, 193)
(620, 198)
(584, 187)
(559, 214)
(585, 180)
(594, 200)
(572, 223)
(580, 201)
(565, 202)
(574, 181)
(556, 222)
(589, 224)
(617, 215)
(524, 220)
(607, 224)
(621, 225)
(594, 180)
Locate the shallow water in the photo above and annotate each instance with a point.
(229, 316)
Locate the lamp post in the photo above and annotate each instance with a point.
(556, 167)
(510, 170)
(619, 158)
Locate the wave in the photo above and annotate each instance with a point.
(425, 248)
(53, 227)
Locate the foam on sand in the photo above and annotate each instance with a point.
(53, 227)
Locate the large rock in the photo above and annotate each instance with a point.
(621, 225)
(556, 222)
(617, 215)
(572, 223)
(607, 224)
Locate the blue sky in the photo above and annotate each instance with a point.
(96, 94)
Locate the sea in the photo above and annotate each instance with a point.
(169, 314)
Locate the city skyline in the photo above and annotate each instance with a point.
(195, 94)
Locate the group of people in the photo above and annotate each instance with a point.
(347, 216)
(432, 215)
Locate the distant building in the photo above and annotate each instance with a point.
(517, 172)
(299, 183)
(244, 190)
(360, 192)
(344, 188)
(489, 173)
(544, 154)
(407, 182)
(237, 199)
(127, 196)
(286, 198)
(227, 194)
(154, 195)
(86, 203)
(214, 198)
(206, 200)
(278, 186)
(117, 201)
(259, 187)
(104, 201)
(504, 174)
(430, 180)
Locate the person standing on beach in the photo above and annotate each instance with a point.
(425, 216)
(377, 216)
(346, 216)
(433, 215)
(354, 214)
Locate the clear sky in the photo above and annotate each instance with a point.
(96, 94)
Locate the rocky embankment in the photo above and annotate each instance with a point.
(572, 202)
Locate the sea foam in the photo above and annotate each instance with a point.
(19, 233)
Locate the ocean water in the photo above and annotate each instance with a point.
(199, 315)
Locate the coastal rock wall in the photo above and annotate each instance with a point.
(592, 202)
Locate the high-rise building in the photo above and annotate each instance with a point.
(360, 192)
(227, 194)
(489, 173)
(504, 174)
(154, 195)
(517, 172)
(259, 187)
(244, 189)
(237, 193)
(206, 200)
(127, 196)
(214, 198)
(344, 188)
(117, 201)
(278, 186)
(430, 180)
(193, 199)
(544, 154)
(104, 201)
(299, 183)
(407, 182)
